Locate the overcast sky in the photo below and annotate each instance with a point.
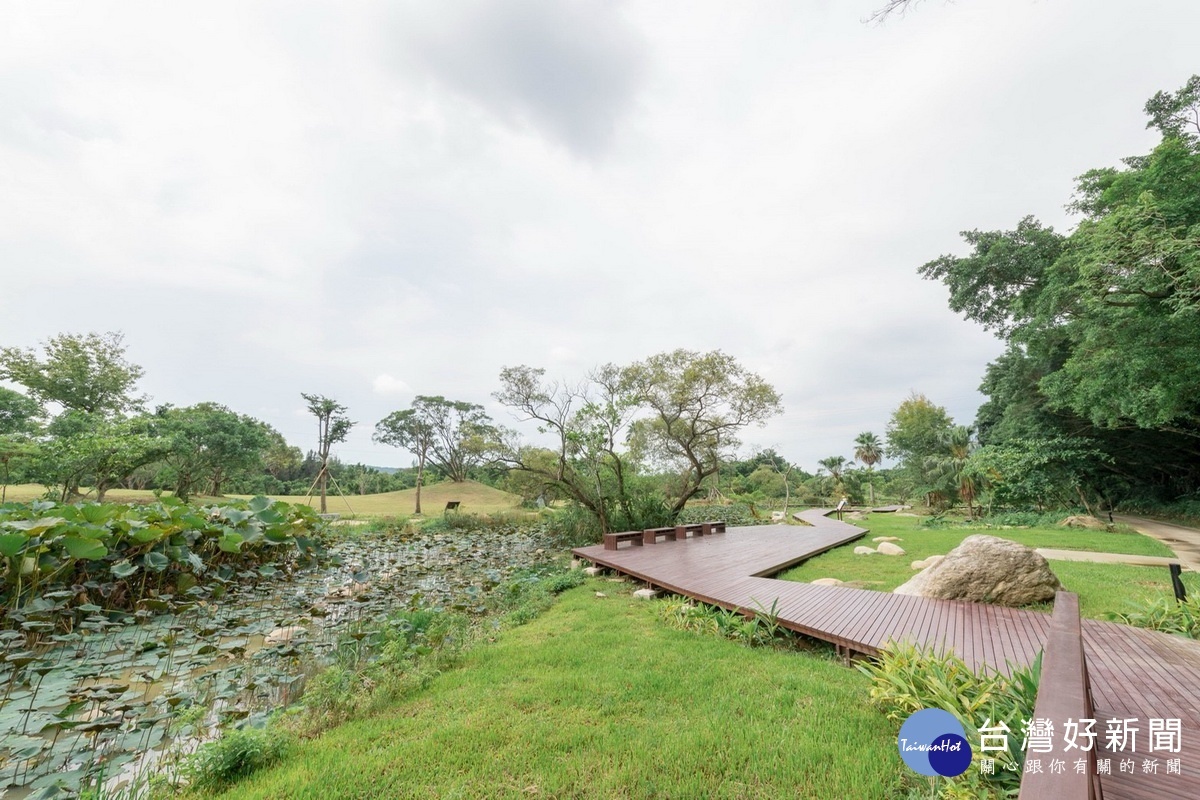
(377, 200)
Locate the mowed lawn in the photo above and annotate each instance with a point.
(474, 498)
(1101, 588)
(598, 699)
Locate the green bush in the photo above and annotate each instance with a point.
(238, 753)
(759, 628)
(1165, 614)
(907, 679)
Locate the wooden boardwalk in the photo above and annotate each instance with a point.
(1134, 673)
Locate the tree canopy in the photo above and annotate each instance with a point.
(680, 412)
(1102, 324)
(81, 372)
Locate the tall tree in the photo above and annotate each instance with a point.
(698, 404)
(81, 372)
(589, 422)
(207, 442)
(949, 466)
(915, 432)
(90, 449)
(333, 426)
(835, 465)
(410, 430)
(18, 414)
(868, 449)
(1102, 325)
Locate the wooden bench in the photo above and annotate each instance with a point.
(682, 531)
(715, 526)
(611, 540)
(1063, 693)
(650, 535)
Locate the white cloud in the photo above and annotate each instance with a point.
(386, 384)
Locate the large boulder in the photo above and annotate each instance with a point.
(890, 549)
(987, 569)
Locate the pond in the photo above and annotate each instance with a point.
(103, 702)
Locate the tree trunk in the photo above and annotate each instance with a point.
(324, 480)
(420, 475)
(217, 479)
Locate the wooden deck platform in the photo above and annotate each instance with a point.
(1133, 673)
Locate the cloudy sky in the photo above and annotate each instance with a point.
(377, 200)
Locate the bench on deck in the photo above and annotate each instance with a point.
(612, 540)
(650, 535)
(680, 532)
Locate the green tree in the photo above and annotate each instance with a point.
(1102, 325)
(868, 449)
(18, 414)
(1037, 473)
(333, 426)
(589, 423)
(948, 468)
(207, 442)
(410, 430)
(81, 372)
(91, 449)
(697, 404)
(835, 466)
(916, 429)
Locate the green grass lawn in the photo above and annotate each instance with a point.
(1101, 587)
(475, 498)
(598, 699)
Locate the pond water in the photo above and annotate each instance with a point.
(107, 700)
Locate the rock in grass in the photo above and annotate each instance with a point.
(601, 594)
(863, 551)
(1084, 521)
(987, 569)
(927, 562)
(646, 594)
(890, 549)
(887, 539)
(827, 582)
(593, 571)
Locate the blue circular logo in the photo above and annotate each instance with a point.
(932, 742)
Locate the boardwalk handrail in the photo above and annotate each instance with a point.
(1063, 694)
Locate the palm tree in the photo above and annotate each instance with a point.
(869, 450)
(834, 465)
(949, 466)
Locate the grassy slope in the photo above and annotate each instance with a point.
(1101, 587)
(476, 498)
(597, 699)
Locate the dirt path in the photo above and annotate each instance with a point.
(1184, 541)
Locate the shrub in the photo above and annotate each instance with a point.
(759, 628)
(1166, 615)
(907, 678)
(237, 754)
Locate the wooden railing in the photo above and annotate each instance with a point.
(1063, 694)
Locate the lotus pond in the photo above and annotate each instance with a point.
(104, 670)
